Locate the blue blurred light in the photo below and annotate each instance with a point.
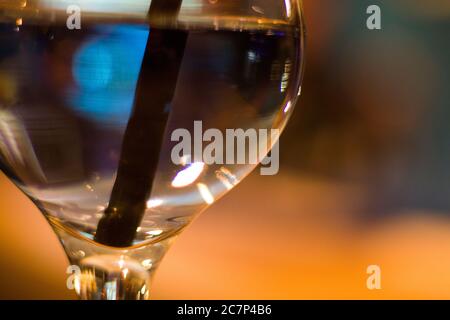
(106, 69)
(92, 66)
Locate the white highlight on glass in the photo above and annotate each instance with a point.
(143, 289)
(287, 107)
(121, 262)
(288, 8)
(147, 263)
(187, 176)
(154, 232)
(153, 203)
(205, 193)
(258, 9)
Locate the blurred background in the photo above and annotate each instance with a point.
(364, 180)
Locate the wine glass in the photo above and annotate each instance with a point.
(91, 95)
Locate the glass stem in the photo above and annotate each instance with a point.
(99, 272)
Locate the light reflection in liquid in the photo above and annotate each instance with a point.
(106, 72)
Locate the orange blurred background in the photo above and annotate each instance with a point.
(364, 180)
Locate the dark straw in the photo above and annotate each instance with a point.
(145, 130)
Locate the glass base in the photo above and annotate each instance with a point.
(99, 272)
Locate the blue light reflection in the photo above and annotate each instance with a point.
(105, 71)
